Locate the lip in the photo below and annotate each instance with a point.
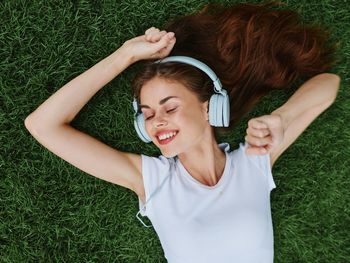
(159, 133)
(166, 141)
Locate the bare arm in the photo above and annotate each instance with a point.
(306, 104)
(49, 125)
(277, 131)
(319, 91)
(62, 107)
(50, 122)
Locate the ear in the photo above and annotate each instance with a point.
(206, 109)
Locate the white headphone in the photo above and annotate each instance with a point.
(219, 104)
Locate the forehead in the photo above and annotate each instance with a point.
(158, 88)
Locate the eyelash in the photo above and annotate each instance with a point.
(171, 110)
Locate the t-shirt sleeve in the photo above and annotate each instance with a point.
(263, 163)
(154, 171)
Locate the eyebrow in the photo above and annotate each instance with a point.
(161, 102)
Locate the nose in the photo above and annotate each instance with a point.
(158, 121)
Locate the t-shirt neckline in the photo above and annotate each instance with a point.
(225, 147)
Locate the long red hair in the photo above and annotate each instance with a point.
(253, 49)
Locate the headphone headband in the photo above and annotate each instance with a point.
(198, 64)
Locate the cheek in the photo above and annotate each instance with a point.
(192, 122)
(148, 127)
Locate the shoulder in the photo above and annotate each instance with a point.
(152, 162)
(262, 161)
(153, 170)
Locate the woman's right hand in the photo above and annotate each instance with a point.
(154, 44)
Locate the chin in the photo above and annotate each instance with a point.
(168, 154)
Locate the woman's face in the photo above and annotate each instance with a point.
(171, 110)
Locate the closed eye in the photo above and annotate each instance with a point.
(171, 109)
(168, 111)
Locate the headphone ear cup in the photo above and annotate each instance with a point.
(226, 110)
(219, 110)
(139, 124)
(219, 117)
(212, 110)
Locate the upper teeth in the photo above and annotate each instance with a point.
(167, 135)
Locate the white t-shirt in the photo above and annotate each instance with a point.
(196, 223)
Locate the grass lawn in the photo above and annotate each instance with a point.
(52, 212)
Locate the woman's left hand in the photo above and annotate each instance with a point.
(264, 133)
(154, 44)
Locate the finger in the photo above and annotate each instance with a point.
(151, 29)
(166, 40)
(147, 30)
(257, 124)
(167, 49)
(256, 141)
(163, 47)
(150, 32)
(256, 150)
(261, 133)
(157, 36)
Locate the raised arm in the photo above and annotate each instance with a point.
(62, 107)
(50, 122)
(274, 133)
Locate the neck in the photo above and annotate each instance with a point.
(205, 161)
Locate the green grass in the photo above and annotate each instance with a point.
(52, 212)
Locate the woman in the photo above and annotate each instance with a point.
(206, 202)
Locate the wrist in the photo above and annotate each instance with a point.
(122, 57)
(114, 64)
(285, 118)
(127, 53)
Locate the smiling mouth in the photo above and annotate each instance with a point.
(167, 140)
